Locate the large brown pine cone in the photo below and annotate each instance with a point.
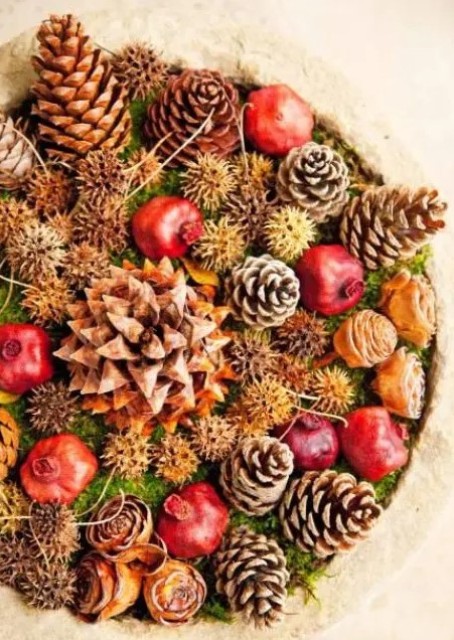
(251, 572)
(315, 178)
(325, 512)
(80, 104)
(254, 476)
(386, 224)
(9, 442)
(183, 106)
(263, 292)
(16, 154)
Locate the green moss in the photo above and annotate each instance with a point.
(268, 524)
(215, 609)
(138, 110)
(305, 571)
(14, 311)
(91, 429)
(384, 488)
(171, 186)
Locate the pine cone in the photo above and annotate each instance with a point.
(52, 408)
(263, 291)
(80, 104)
(325, 512)
(54, 527)
(315, 178)
(254, 476)
(16, 155)
(146, 347)
(251, 572)
(183, 106)
(9, 442)
(387, 224)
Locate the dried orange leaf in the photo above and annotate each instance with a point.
(199, 275)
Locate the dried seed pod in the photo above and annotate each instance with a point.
(365, 339)
(400, 383)
(9, 442)
(409, 301)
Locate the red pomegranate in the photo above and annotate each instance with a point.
(372, 443)
(192, 521)
(25, 357)
(57, 469)
(166, 226)
(331, 280)
(277, 119)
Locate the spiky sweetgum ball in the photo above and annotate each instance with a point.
(277, 119)
(331, 280)
(166, 226)
(57, 469)
(372, 443)
(25, 357)
(193, 521)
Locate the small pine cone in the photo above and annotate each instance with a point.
(52, 408)
(13, 506)
(303, 335)
(174, 459)
(14, 216)
(9, 442)
(52, 531)
(334, 389)
(16, 154)
(250, 208)
(84, 262)
(188, 100)
(251, 573)
(315, 178)
(254, 170)
(214, 437)
(104, 227)
(263, 292)
(208, 181)
(144, 167)
(387, 224)
(251, 355)
(47, 586)
(221, 246)
(48, 303)
(299, 231)
(325, 512)
(365, 339)
(50, 191)
(34, 251)
(101, 174)
(253, 478)
(127, 454)
(139, 69)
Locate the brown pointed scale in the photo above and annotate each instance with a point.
(111, 378)
(117, 349)
(400, 383)
(130, 328)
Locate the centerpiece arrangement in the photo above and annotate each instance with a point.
(215, 331)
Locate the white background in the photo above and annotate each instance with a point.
(400, 54)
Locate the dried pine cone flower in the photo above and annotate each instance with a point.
(287, 232)
(126, 454)
(105, 226)
(302, 335)
(254, 170)
(139, 69)
(251, 355)
(144, 167)
(50, 191)
(52, 408)
(14, 215)
(48, 304)
(334, 388)
(262, 405)
(174, 459)
(34, 251)
(101, 174)
(52, 530)
(214, 437)
(47, 586)
(208, 181)
(16, 154)
(250, 208)
(83, 262)
(13, 506)
(222, 245)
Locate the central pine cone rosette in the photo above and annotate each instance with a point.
(146, 347)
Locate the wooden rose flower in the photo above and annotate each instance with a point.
(103, 588)
(409, 301)
(119, 525)
(175, 593)
(400, 383)
(365, 339)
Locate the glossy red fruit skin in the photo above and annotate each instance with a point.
(313, 441)
(372, 443)
(331, 280)
(192, 521)
(166, 226)
(25, 357)
(57, 469)
(277, 119)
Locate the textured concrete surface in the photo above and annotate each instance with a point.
(400, 54)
